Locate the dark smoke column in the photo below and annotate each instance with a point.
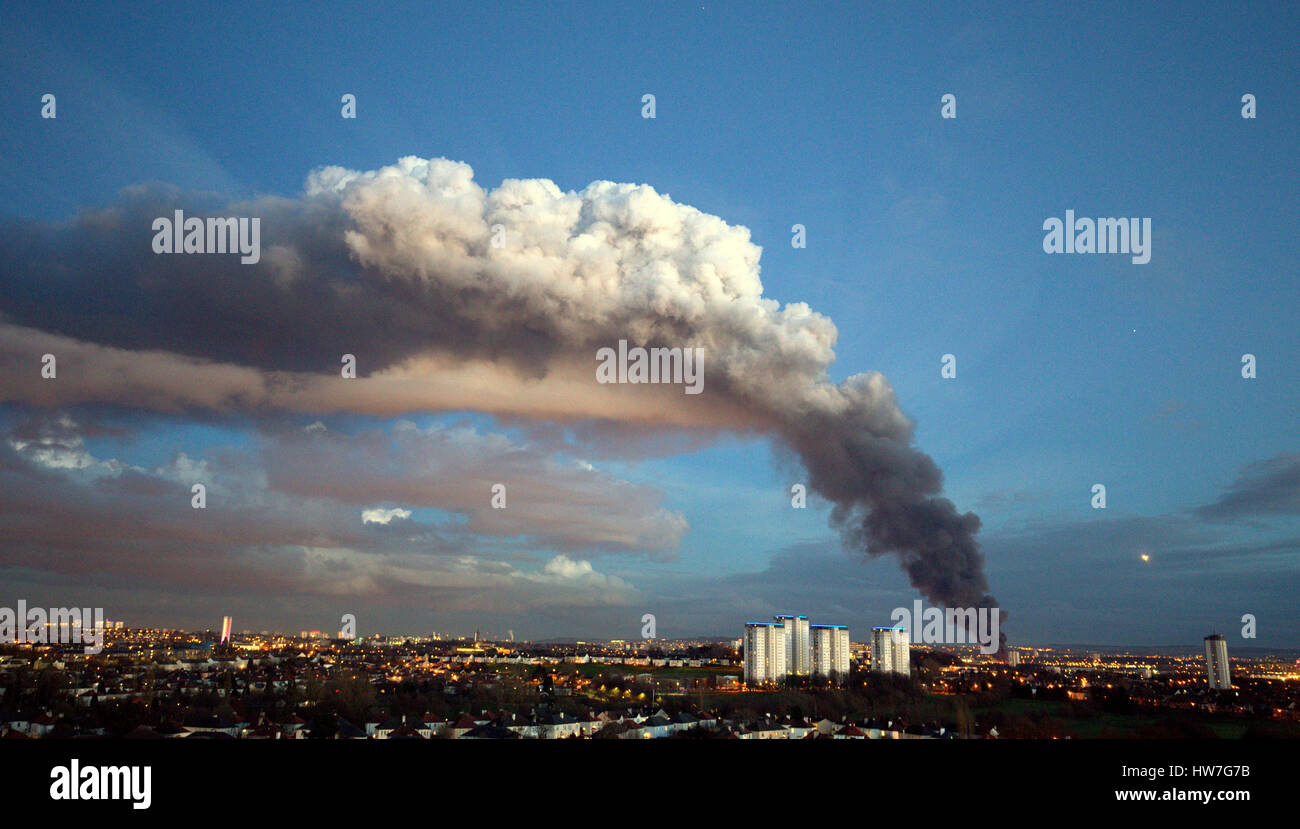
(886, 493)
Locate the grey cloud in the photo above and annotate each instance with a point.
(80, 519)
(568, 505)
(1266, 487)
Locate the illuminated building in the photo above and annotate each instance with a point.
(765, 651)
(891, 651)
(830, 651)
(798, 650)
(1216, 662)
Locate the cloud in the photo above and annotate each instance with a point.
(1266, 487)
(110, 523)
(566, 504)
(383, 516)
(566, 567)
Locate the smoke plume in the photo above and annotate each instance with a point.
(451, 296)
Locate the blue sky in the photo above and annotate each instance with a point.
(924, 238)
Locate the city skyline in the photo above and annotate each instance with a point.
(479, 634)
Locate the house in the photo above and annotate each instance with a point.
(432, 725)
(17, 723)
(490, 732)
(657, 727)
(41, 725)
(405, 731)
(386, 728)
(345, 731)
(560, 726)
(588, 725)
(212, 725)
(632, 731)
(765, 730)
(521, 726)
(462, 726)
(826, 727)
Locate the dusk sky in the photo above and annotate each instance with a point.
(924, 237)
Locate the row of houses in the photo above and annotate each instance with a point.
(510, 725)
(829, 729)
(630, 724)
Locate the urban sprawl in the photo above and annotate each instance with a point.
(784, 679)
